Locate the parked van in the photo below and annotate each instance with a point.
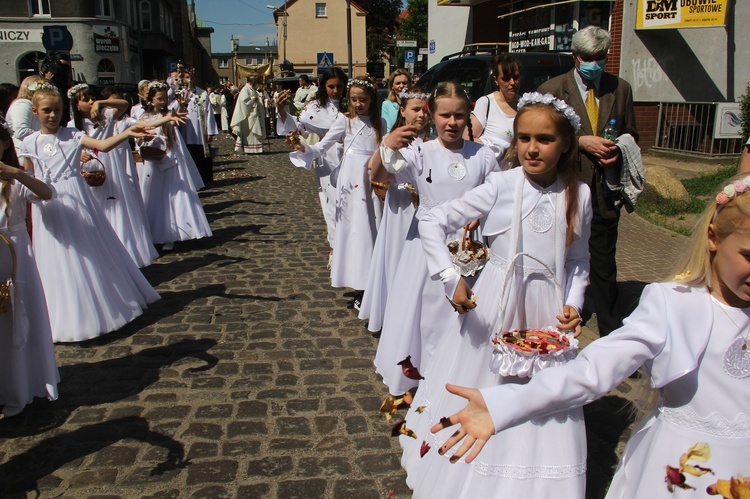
(471, 68)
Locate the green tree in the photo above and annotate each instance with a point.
(414, 27)
(382, 22)
(745, 113)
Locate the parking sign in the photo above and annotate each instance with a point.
(409, 55)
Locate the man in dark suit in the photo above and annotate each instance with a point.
(598, 97)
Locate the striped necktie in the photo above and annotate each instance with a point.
(592, 109)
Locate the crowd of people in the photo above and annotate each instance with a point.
(81, 211)
(478, 239)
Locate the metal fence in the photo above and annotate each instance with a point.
(689, 127)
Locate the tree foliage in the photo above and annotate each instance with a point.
(745, 113)
(414, 27)
(382, 22)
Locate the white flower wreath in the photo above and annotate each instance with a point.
(76, 88)
(157, 85)
(550, 100)
(405, 94)
(38, 85)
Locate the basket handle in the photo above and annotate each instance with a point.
(94, 158)
(509, 271)
(12, 255)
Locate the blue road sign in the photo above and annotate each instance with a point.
(409, 55)
(56, 38)
(432, 46)
(325, 61)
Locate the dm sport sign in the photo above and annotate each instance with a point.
(662, 14)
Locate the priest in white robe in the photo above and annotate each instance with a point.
(249, 119)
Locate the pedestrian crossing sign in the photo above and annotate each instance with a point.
(325, 61)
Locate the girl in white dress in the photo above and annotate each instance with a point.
(313, 123)
(398, 214)
(117, 197)
(173, 207)
(27, 356)
(536, 220)
(357, 208)
(493, 114)
(692, 336)
(91, 283)
(416, 313)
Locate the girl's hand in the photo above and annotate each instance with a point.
(475, 425)
(463, 298)
(178, 118)
(95, 109)
(401, 137)
(472, 226)
(570, 321)
(86, 157)
(137, 132)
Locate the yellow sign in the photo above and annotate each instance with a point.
(669, 14)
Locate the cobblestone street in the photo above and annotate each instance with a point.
(251, 377)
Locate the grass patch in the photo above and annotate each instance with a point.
(706, 184)
(681, 217)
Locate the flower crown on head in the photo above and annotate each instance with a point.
(551, 100)
(732, 190)
(76, 88)
(38, 85)
(157, 85)
(405, 94)
(361, 82)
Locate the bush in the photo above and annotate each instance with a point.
(745, 113)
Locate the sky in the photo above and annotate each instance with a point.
(248, 20)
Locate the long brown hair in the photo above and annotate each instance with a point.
(373, 113)
(150, 110)
(83, 94)
(566, 166)
(9, 158)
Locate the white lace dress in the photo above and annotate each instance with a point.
(27, 356)
(91, 282)
(543, 458)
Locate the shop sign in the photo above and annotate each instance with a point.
(20, 35)
(107, 39)
(670, 14)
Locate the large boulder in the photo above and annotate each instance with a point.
(662, 185)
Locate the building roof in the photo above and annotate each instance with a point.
(249, 50)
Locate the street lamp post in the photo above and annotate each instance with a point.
(349, 34)
(235, 46)
(284, 23)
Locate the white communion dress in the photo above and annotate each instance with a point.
(692, 346)
(416, 312)
(92, 284)
(358, 209)
(27, 356)
(547, 456)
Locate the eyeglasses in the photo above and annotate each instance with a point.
(507, 78)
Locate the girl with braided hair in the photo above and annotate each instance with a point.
(416, 313)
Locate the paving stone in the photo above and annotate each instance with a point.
(331, 466)
(207, 431)
(241, 448)
(223, 471)
(200, 450)
(118, 456)
(246, 428)
(361, 489)
(222, 411)
(300, 489)
(270, 466)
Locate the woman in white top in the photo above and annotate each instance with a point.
(20, 118)
(493, 115)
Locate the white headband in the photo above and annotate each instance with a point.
(551, 100)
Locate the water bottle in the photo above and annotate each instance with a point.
(611, 131)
